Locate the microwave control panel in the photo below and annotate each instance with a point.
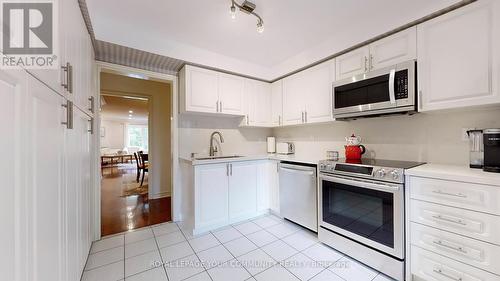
(401, 84)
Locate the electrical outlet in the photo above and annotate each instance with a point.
(465, 136)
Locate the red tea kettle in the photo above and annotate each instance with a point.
(354, 149)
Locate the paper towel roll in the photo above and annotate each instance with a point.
(271, 145)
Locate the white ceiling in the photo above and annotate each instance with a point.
(297, 32)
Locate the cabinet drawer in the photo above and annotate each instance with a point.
(470, 251)
(476, 225)
(482, 198)
(428, 266)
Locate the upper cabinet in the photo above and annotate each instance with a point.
(458, 58)
(397, 48)
(352, 63)
(307, 95)
(258, 102)
(208, 91)
(277, 103)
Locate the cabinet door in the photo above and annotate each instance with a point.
(201, 90)
(211, 195)
(242, 190)
(273, 183)
(263, 192)
(318, 97)
(352, 63)
(45, 194)
(277, 103)
(458, 58)
(294, 94)
(259, 103)
(394, 49)
(231, 89)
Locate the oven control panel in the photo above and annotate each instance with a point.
(387, 174)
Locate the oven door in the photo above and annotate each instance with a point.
(369, 212)
(387, 90)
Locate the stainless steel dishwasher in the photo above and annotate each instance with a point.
(298, 194)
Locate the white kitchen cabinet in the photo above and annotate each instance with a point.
(207, 91)
(211, 195)
(394, 49)
(231, 91)
(352, 63)
(200, 89)
(277, 103)
(258, 102)
(243, 178)
(294, 94)
(458, 58)
(318, 98)
(272, 168)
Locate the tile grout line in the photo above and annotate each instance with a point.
(196, 254)
(159, 252)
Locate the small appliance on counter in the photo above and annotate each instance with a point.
(476, 154)
(271, 145)
(285, 148)
(354, 149)
(491, 150)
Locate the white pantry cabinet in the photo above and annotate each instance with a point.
(458, 58)
(207, 91)
(307, 95)
(225, 193)
(394, 49)
(277, 103)
(258, 103)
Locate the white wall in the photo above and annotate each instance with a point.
(194, 136)
(114, 134)
(435, 137)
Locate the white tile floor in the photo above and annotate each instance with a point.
(264, 249)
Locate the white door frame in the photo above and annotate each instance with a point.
(171, 79)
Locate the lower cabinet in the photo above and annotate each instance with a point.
(230, 192)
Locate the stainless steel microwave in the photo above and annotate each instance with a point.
(384, 91)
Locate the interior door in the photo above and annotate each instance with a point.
(231, 93)
(242, 190)
(212, 194)
(319, 81)
(352, 63)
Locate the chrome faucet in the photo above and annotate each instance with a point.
(213, 149)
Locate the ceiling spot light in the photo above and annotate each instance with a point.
(130, 111)
(248, 8)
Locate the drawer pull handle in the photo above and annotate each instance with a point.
(457, 221)
(441, 243)
(447, 275)
(450, 194)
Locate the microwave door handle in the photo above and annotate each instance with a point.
(392, 77)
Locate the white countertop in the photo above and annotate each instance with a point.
(455, 173)
(278, 157)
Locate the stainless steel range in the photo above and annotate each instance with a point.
(361, 211)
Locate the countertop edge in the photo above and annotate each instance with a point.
(455, 173)
(289, 158)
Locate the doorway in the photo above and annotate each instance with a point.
(135, 152)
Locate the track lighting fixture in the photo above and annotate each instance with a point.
(248, 8)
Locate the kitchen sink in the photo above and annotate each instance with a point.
(218, 157)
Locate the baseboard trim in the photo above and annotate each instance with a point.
(160, 195)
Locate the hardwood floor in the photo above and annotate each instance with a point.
(120, 213)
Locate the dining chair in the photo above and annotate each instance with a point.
(139, 167)
(144, 165)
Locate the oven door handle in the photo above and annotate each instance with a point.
(381, 186)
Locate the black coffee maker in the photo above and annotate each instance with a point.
(491, 140)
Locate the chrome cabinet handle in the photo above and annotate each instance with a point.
(447, 275)
(279, 120)
(220, 106)
(277, 167)
(217, 106)
(68, 82)
(248, 120)
(92, 106)
(302, 116)
(442, 244)
(457, 221)
(305, 117)
(366, 64)
(227, 170)
(392, 95)
(91, 130)
(440, 192)
(231, 169)
(371, 62)
(69, 114)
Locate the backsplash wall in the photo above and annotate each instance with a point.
(195, 130)
(429, 137)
